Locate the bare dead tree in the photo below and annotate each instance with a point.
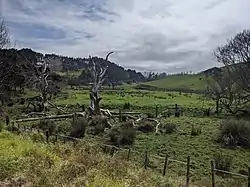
(39, 72)
(235, 55)
(98, 77)
(4, 35)
(233, 86)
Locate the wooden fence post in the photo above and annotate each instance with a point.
(7, 120)
(120, 115)
(248, 176)
(47, 136)
(129, 151)
(165, 165)
(156, 111)
(188, 171)
(146, 160)
(213, 174)
(56, 138)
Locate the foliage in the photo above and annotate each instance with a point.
(123, 134)
(78, 127)
(235, 133)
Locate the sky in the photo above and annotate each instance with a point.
(146, 35)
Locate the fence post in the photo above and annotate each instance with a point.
(146, 160)
(165, 165)
(7, 120)
(112, 151)
(129, 151)
(213, 174)
(156, 111)
(120, 115)
(188, 171)
(249, 176)
(56, 138)
(47, 136)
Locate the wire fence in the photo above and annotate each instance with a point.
(114, 150)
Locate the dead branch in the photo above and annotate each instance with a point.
(51, 117)
(59, 109)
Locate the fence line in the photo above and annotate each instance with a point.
(146, 158)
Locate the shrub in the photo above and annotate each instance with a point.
(235, 133)
(223, 162)
(169, 128)
(47, 125)
(195, 131)
(124, 134)
(78, 127)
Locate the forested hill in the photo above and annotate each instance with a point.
(58, 63)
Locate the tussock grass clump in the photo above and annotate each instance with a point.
(170, 128)
(235, 133)
(97, 125)
(123, 134)
(78, 127)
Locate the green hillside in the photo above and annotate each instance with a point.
(179, 82)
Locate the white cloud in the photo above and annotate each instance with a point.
(162, 35)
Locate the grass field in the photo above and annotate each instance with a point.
(180, 82)
(178, 145)
(26, 163)
(139, 100)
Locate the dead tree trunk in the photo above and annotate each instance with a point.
(98, 78)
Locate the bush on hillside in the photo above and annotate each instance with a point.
(235, 133)
(78, 127)
(124, 134)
